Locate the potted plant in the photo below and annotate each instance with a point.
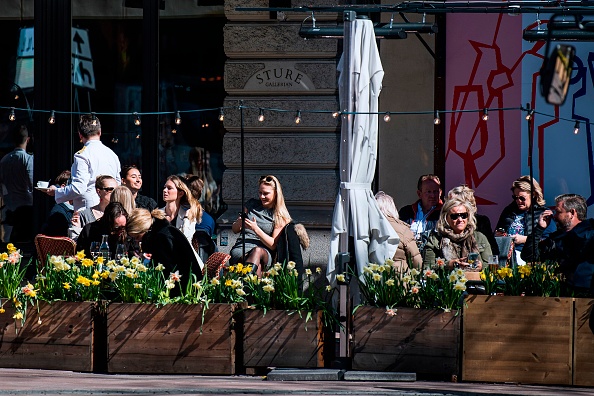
(287, 322)
(409, 320)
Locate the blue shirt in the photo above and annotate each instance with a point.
(207, 224)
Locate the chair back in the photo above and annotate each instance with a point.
(53, 246)
(215, 264)
(203, 244)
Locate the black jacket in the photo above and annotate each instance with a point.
(94, 231)
(483, 225)
(510, 211)
(573, 250)
(288, 247)
(169, 246)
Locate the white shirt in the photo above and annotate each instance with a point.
(93, 160)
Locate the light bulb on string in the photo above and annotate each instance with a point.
(261, 116)
(576, 128)
(12, 116)
(529, 115)
(221, 114)
(93, 119)
(177, 118)
(52, 118)
(485, 116)
(436, 120)
(336, 114)
(387, 117)
(298, 117)
(137, 121)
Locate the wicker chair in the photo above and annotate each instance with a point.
(215, 264)
(49, 245)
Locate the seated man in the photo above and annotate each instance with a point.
(572, 245)
(424, 213)
(58, 221)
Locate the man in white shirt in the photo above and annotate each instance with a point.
(92, 160)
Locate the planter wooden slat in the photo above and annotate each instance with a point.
(64, 340)
(280, 339)
(583, 348)
(518, 339)
(144, 338)
(426, 342)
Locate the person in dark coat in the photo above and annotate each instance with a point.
(112, 224)
(164, 244)
(60, 217)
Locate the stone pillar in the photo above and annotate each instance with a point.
(270, 67)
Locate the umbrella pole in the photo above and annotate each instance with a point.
(347, 105)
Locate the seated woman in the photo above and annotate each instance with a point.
(104, 185)
(196, 186)
(132, 179)
(516, 218)
(123, 195)
(112, 224)
(181, 209)
(483, 224)
(457, 241)
(164, 243)
(407, 250)
(264, 220)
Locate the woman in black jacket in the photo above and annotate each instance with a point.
(164, 244)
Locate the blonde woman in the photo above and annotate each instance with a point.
(264, 220)
(516, 218)
(181, 208)
(123, 195)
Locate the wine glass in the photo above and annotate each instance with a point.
(121, 251)
(95, 249)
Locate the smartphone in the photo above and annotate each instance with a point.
(243, 215)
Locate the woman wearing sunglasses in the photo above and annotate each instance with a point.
(456, 239)
(264, 220)
(104, 185)
(516, 219)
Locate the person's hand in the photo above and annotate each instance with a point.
(500, 233)
(455, 263)
(75, 219)
(545, 218)
(251, 224)
(51, 190)
(519, 239)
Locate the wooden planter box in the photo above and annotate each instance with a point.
(144, 338)
(423, 341)
(518, 339)
(283, 339)
(583, 345)
(64, 340)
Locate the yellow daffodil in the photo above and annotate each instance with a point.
(80, 255)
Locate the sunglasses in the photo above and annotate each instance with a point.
(108, 189)
(266, 178)
(455, 216)
(521, 198)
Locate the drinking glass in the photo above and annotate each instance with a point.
(95, 249)
(121, 251)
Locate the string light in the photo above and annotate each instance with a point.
(93, 119)
(436, 120)
(12, 116)
(529, 115)
(177, 118)
(52, 118)
(136, 121)
(261, 116)
(387, 117)
(298, 117)
(485, 114)
(221, 114)
(576, 128)
(336, 114)
(114, 140)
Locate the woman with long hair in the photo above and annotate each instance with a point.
(264, 220)
(181, 209)
(164, 243)
(123, 195)
(456, 239)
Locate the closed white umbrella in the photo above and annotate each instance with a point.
(361, 76)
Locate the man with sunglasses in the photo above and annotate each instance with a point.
(572, 245)
(92, 160)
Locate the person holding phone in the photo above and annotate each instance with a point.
(457, 241)
(264, 220)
